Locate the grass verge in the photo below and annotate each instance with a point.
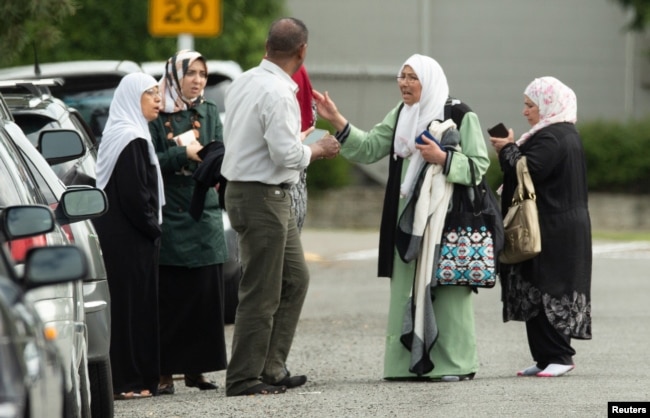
(621, 235)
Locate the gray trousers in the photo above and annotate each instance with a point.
(273, 285)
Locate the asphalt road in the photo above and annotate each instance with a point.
(339, 345)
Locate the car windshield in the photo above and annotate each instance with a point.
(93, 107)
(216, 93)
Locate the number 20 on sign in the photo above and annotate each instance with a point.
(175, 17)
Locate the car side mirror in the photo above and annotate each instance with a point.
(60, 145)
(54, 264)
(79, 203)
(25, 221)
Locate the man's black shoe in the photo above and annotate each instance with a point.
(291, 381)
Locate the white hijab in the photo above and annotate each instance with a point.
(415, 118)
(126, 122)
(556, 102)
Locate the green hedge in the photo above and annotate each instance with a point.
(618, 155)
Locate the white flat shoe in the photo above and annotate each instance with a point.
(457, 378)
(529, 371)
(556, 370)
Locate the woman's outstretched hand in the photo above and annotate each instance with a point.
(327, 110)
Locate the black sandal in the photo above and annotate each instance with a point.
(199, 381)
(124, 396)
(166, 389)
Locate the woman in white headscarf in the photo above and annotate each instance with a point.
(129, 234)
(192, 253)
(551, 292)
(446, 350)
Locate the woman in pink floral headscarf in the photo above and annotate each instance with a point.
(551, 292)
(555, 101)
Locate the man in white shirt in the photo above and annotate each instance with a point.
(263, 157)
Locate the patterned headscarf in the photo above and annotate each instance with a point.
(170, 83)
(126, 122)
(556, 102)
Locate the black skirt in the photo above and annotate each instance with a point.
(192, 337)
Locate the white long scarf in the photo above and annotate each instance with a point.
(420, 326)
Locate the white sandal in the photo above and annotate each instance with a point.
(556, 370)
(529, 371)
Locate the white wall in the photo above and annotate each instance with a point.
(490, 51)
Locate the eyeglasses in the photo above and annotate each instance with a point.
(152, 92)
(407, 79)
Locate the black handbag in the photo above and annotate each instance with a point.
(472, 237)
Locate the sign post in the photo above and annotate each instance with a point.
(179, 17)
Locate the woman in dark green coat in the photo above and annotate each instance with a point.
(192, 252)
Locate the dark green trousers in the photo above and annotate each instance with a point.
(273, 285)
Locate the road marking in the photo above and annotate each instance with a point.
(630, 250)
(358, 255)
(313, 257)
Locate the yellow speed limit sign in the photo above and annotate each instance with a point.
(175, 17)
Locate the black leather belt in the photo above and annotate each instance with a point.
(281, 185)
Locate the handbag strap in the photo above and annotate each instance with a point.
(477, 202)
(468, 198)
(525, 187)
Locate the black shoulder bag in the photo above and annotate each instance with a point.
(467, 256)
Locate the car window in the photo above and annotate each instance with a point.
(93, 107)
(32, 125)
(83, 129)
(88, 139)
(4, 271)
(16, 185)
(43, 185)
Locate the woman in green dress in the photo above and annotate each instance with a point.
(192, 251)
(452, 353)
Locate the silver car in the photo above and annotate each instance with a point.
(60, 306)
(32, 369)
(37, 112)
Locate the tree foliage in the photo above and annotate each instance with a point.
(24, 21)
(119, 30)
(640, 13)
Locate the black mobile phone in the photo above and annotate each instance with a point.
(498, 131)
